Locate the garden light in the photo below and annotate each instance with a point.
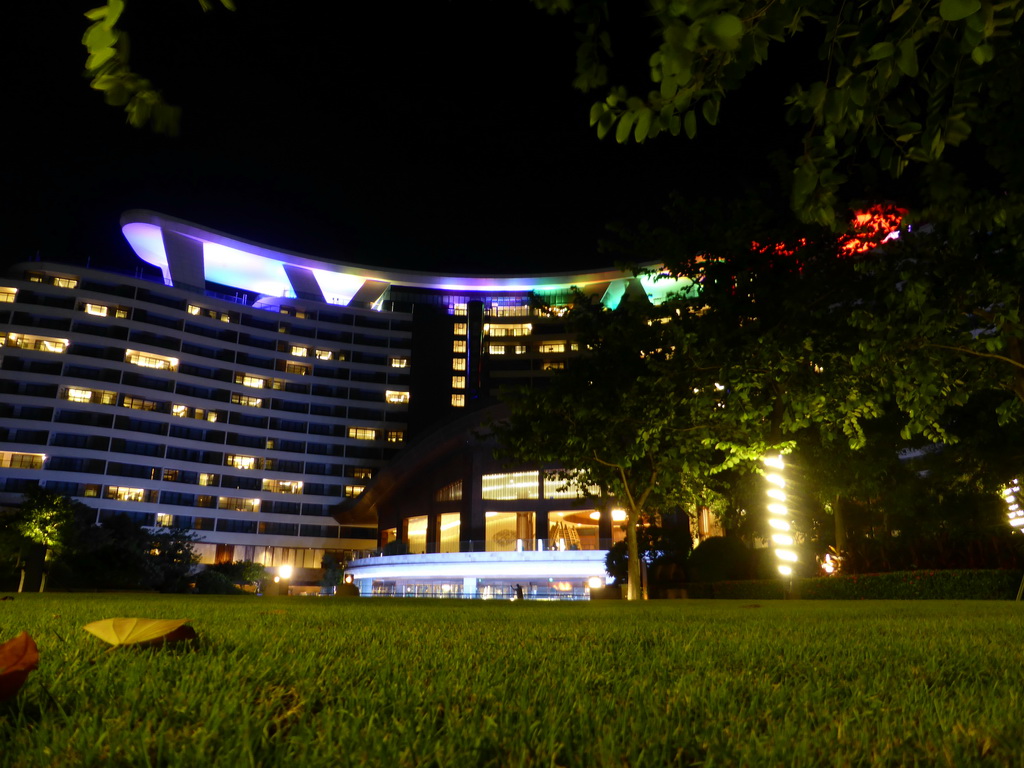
(285, 571)
(778, 512)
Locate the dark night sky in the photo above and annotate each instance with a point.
(445, 137)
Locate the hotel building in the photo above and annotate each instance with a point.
(284, 407)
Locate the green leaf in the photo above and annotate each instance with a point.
(97, 13)
(907, 59)
(903, 8)
(98, 58)
(690, 124)
(596, 111)
(710, 110)
(727, 31)
(625, 126)
(643, 125)
(879, 51)
(983, 54)
(956, 10)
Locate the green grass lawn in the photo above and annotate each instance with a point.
(327, 682)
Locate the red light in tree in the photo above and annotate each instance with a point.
(871, 228)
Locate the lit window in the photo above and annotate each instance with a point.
(451, 492)
(39, 343)
(150, 360)
(459, 346)
(65, 282)
(517, 329)
(181, 411)
(519, 349)
(209, 415)
(551, 347)
(193, 309)
(92, 491)
(80, 395)
(206, 478)
(282, 486)
(121, 312)
(510, 485)
(238, 505)
(324, 354)
(362, 473)
(395, 397)
(96, 309)
(496, 349)
(458, 400)
(238, 399)
(351, 491)
(461, 329)
(243, 462)
(556, 488)
(22, 460)
(300, 368)
(171, 475)
(248, 380)
(120, 493)
(399, 362)
(140, 404)
(362, 433)
(7, 295)
(163, 520)
(459, 308)
(458, 363)
(458, 382)
(574, 346)
(299, 351)
(396, 436)
(549, 365)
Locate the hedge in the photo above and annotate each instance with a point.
(899, 585)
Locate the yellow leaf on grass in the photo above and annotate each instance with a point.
(141, 631)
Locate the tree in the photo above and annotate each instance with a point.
(46, 519)
(614, 421)
(877, 85)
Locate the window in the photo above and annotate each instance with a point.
(38, 343)
(81, 395)
(22, 460)
(450, 492)
(224, 317)
(282, 486)
(96, 309)
(519, 349)
(395, 397)
(399, 362)
(299, 368)
(459, 346)
(516, 329)
(298, 351)
(140, 404)
(555, 488)
(243, 462)
(248, 380)
(163, 520)
(458, 363)
(181, 411)
(150, 360)
(351, 491)
(550, 347)
(459, 308)
(510, 485)
(362, 473)
(238, 505)
(324, 354)
(206, 478)
(549, 365)
(120, 493)
(458, 382)
(496, 349)
(171, 475)
(461, 329)
(362, 433)
(7, 295)
(458, 400)
(237, 399)
(396, 436)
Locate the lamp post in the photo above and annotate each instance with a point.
(778, 513)
(1015, 515)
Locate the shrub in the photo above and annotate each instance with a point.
(914, 585)
(215, 583)
(720, 558)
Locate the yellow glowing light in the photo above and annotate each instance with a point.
(785, 570)
(285, 571)
(774, 493)
(776, 479)
(595, 515)
(778, 509)
(782, 539)
(595, 582)
(779, 525)
(786, 554)
(618, 515)
(775, 462)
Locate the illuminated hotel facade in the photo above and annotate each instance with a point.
(285, 407)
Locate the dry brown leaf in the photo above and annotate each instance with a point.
(18, 657)
(141, 632)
